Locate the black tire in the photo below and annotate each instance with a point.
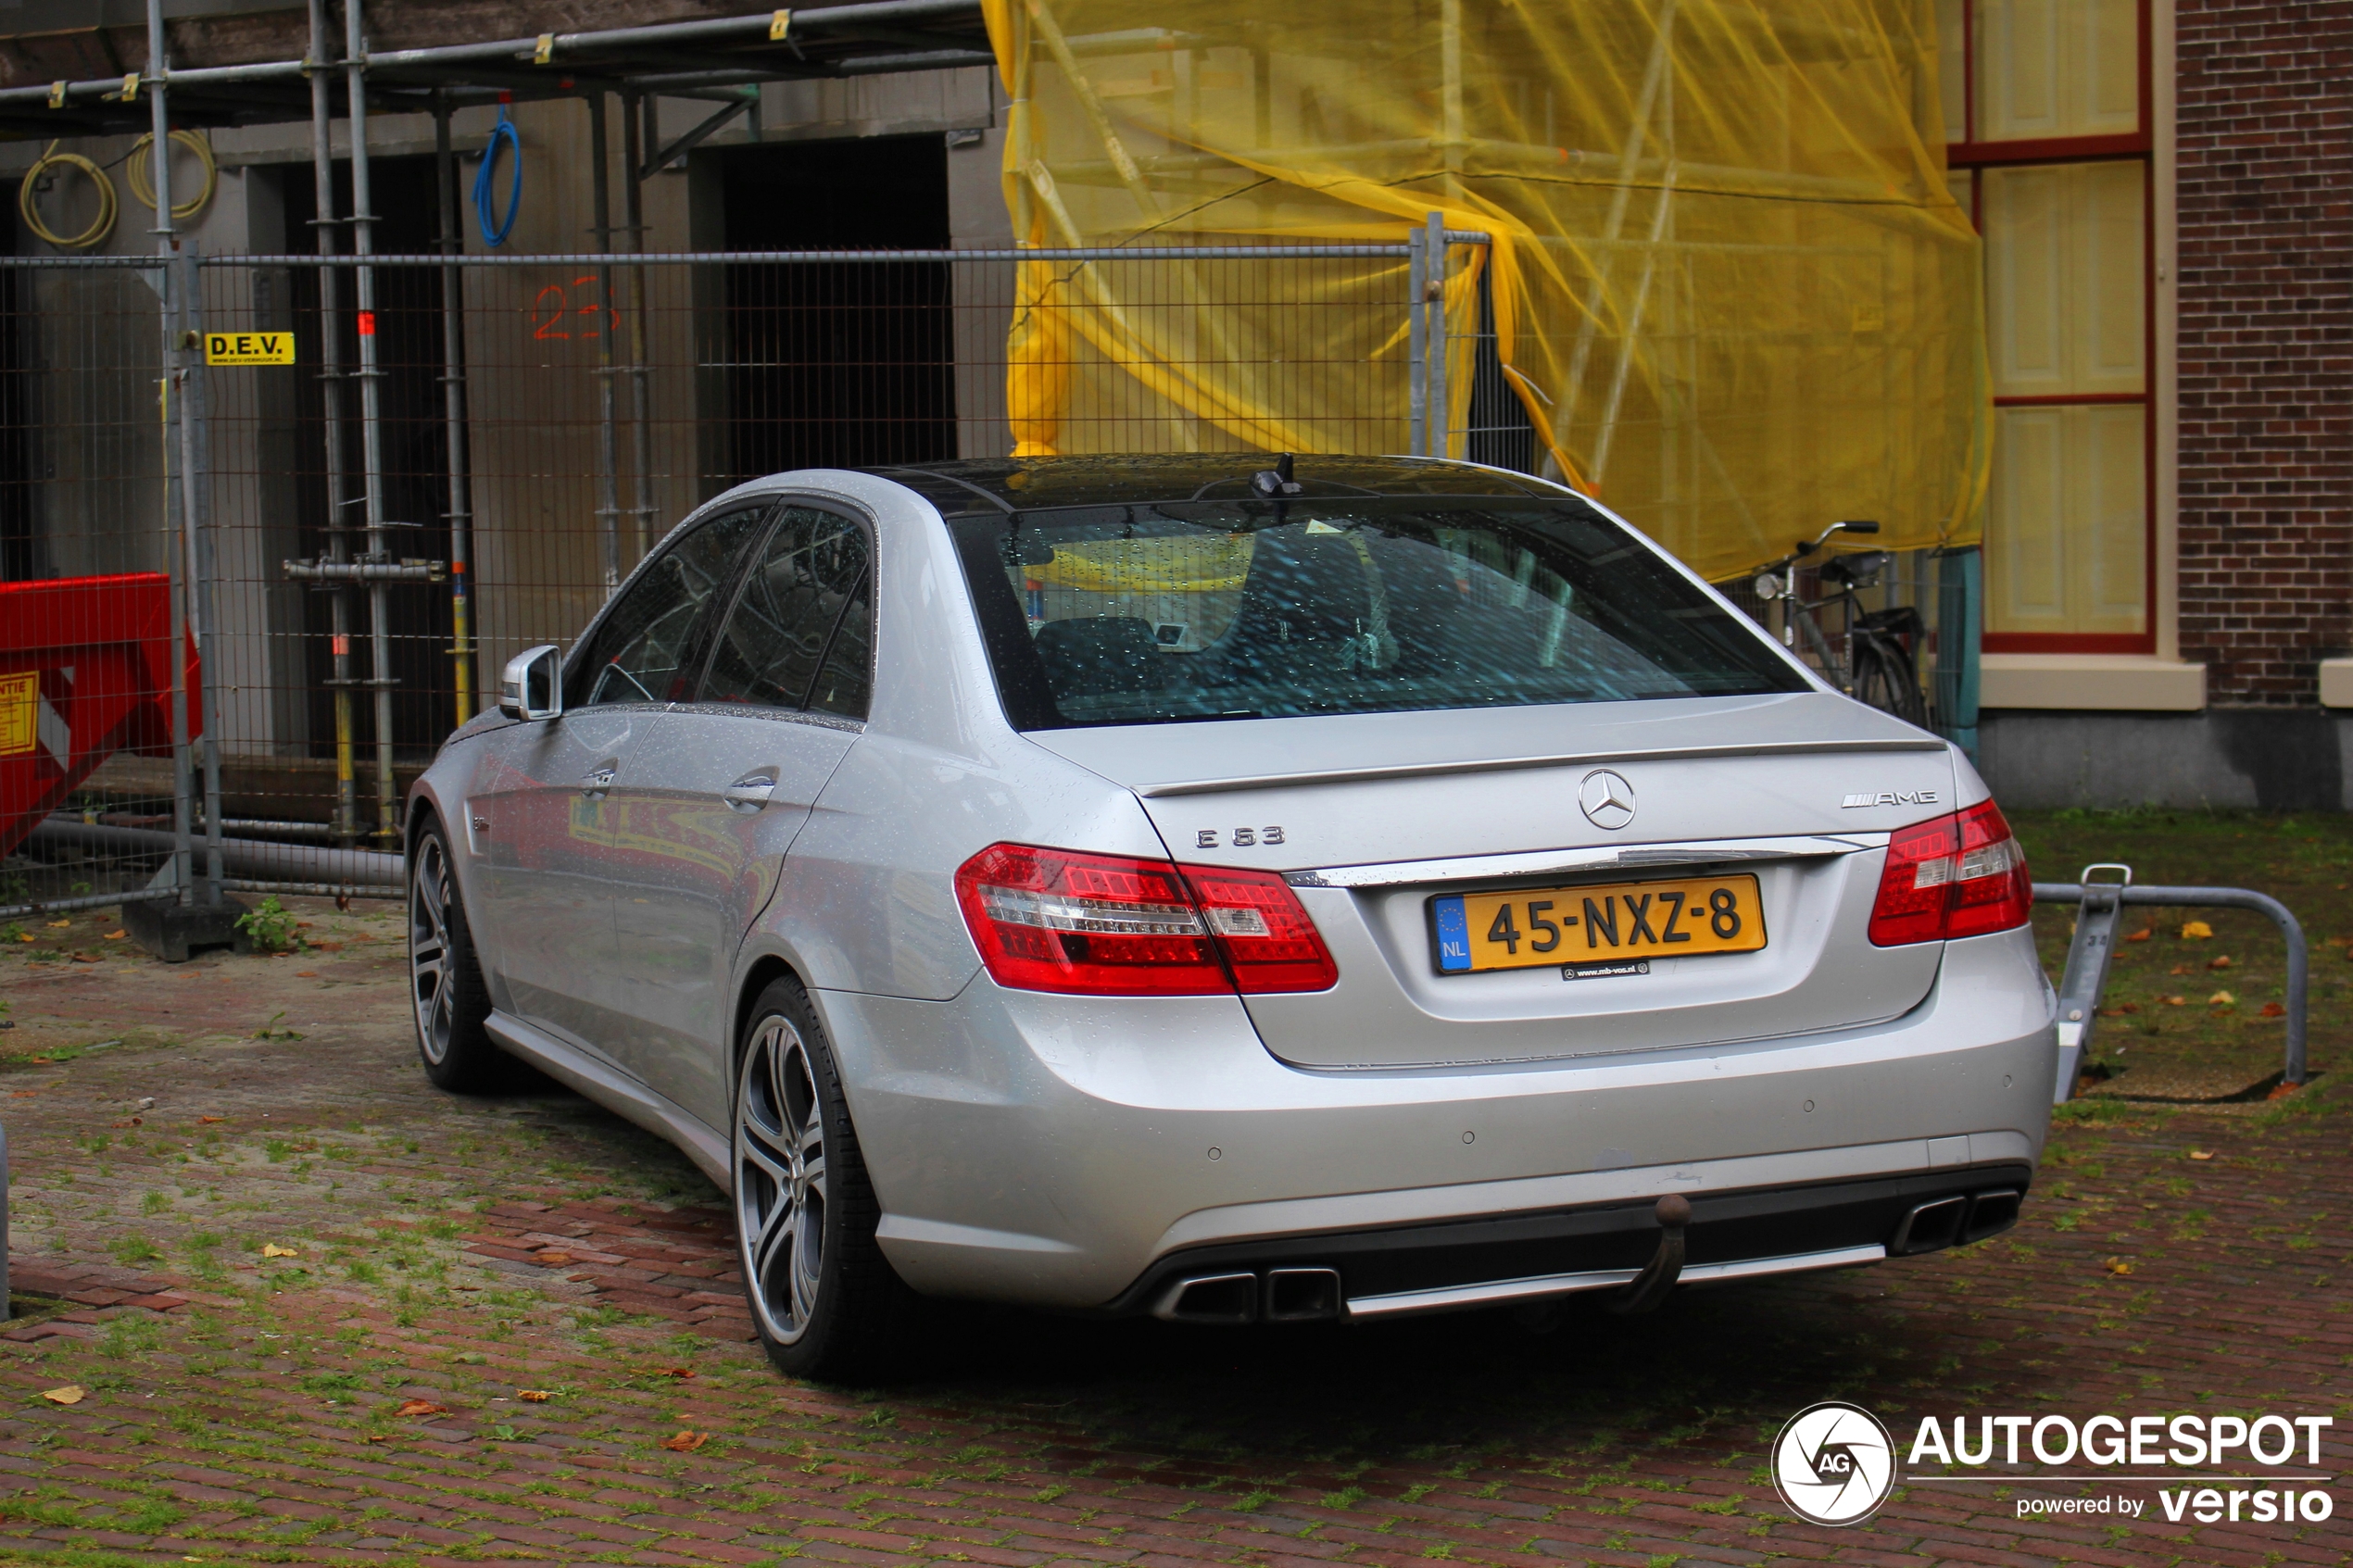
(1883, 679)
(823, 1299)
(447, 995)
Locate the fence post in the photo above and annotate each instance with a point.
(1417, 343)
(195, 511)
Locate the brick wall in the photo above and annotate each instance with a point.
(2265, 138)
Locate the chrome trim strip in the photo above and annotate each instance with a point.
(1538, 862)
(1793, 1263)
(1514, 764)
(1496, 1292)
(624, 1096)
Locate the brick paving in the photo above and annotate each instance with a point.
(550, 1292)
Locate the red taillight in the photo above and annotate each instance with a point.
(1961, 875)
(1107, 925)
(1266, 936)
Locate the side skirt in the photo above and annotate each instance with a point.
(623, 1095)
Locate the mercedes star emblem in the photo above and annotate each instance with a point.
(1607, 799)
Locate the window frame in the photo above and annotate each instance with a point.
(2136, 146)
(706, 648)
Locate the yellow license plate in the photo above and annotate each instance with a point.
(1612, 928)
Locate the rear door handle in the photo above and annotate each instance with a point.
(750, 794)
(596, 784)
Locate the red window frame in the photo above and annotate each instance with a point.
(1971, 154)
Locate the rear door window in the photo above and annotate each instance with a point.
(799, 635)
(1156, 614)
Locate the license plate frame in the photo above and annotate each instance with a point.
(1464, 926)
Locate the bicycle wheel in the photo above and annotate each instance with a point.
(1883, 679)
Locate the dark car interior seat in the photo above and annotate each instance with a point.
(1100, 656)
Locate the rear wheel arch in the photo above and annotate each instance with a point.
(765, 971)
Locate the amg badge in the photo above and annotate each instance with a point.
(1890, 797)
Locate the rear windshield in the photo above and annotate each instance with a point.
(1163, 613)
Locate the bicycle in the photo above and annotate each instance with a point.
(1878, 669)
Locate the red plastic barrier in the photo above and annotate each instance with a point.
(85, 671)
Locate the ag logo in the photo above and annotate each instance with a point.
(1834, 1463)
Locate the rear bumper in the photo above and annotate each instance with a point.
(1501, 1260)
(1065, 1151)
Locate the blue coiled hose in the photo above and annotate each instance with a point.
(494, 232)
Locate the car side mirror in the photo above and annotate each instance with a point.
(533, 684)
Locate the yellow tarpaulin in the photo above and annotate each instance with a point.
(1728, 283)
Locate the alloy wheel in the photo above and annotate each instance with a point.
(780, 1180)
(431, 985)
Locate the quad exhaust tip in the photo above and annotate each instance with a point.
(1957, 1220)
(1233, 1299)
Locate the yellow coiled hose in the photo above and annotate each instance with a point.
(142, 183)
(100, 226)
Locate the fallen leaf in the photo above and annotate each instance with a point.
(533, 1396)
(68, 1395)
(686, 1442)
(2174, 1002)
(272, 1249)
(2195, 931)
(421, 1406)
(2143, 935)
(2120, 1010)
(2182, 969)
(305, 974)
(212, 1118)
(116, 935)
(2219, 960)
(675, 1372)
(85, 957)
(60, 924)
(2273, 1009)
(28, 936)
(381, 1437)
(2281, 1091)
(328, 946)
(22, 1094)
(2118, 1266)
(2222, 999)
(552, 1258)
(2201, 1154)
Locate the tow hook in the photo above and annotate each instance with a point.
(1647, 1289)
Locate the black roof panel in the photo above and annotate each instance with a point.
(1022, 484)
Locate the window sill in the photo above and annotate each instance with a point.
(2099, 682)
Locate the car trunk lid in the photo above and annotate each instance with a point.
(1373, 817)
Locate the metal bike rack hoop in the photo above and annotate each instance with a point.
(2087, 960)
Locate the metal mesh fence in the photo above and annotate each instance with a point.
(422, 489)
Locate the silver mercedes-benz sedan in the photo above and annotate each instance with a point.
(1176, 886)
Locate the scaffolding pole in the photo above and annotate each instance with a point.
(453, 405)
(331, 379)
(640, 396)
(363, 223)
(607, 442)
